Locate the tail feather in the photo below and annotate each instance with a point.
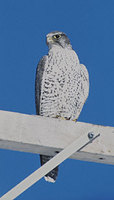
(52, 175)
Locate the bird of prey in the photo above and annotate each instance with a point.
(61, 85)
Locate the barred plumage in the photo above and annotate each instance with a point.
(62, 83)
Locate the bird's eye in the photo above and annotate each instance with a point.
(56, 36)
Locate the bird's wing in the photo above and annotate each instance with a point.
(85, 77)
(38, 82)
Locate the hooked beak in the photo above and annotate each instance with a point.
(49, 39)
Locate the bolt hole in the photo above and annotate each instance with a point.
(56, 151)
(101, 158)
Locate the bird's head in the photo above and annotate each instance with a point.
(59, 39)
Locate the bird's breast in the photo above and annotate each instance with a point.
(59, 82)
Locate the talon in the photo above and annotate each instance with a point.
(74, 120)
(63, 118)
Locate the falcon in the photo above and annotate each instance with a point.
(61, 85)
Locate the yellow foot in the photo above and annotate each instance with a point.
(59, 117)
(74, 120)
(63, 118)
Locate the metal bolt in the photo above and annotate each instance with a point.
(90, 135)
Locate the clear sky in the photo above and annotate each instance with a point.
(90, 26)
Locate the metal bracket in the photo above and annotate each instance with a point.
(91, 137)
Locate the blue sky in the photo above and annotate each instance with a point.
(89, 25)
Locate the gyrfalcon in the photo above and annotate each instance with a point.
(61, 85)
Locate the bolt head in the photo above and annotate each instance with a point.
(90, 135)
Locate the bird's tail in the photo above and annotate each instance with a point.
(52, 175)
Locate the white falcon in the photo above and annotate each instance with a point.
(61, 85)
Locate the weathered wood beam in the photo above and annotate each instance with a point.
(36, 134)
